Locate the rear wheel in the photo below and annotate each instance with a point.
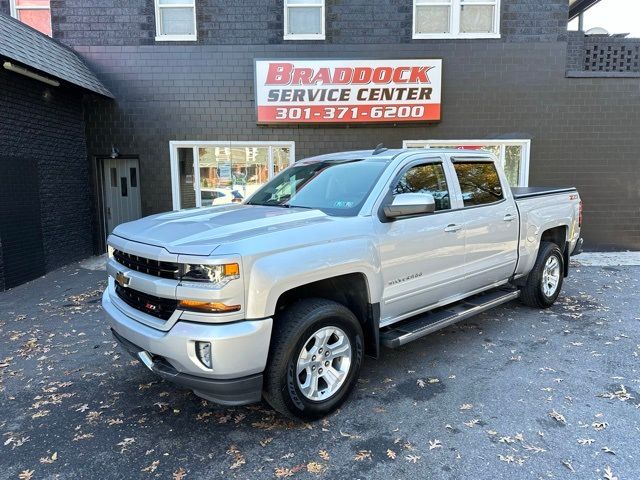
(545, 279)
(315, 358)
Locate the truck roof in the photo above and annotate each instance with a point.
(386, 155)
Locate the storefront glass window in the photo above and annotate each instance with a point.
(513, 155)
(225, 172)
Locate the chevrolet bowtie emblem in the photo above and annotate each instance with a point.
(122, 279)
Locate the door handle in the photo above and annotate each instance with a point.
(509, 217)
(453, 227)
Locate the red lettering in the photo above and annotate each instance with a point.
(419, 75)
(397, 74)
(382, 75)
(301, 76)
(361, 75)
(279, 73)
(323, 76)
(342, 76)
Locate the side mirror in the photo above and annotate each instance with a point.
(407, 204)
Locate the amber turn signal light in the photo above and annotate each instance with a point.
(210, 307)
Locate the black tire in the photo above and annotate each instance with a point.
(291, 330)
(532, 293)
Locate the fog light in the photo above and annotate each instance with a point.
(203, 350)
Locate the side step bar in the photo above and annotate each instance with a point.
(404, 332)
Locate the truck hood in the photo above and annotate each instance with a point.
(200, 231)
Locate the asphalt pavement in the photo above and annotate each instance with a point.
(513, 393)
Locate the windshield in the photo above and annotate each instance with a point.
(336, 188)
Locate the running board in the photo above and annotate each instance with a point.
(404, 332)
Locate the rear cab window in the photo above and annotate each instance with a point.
(479, 182)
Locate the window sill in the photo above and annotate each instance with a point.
(176, 38)
(319, 36)
(449, 36)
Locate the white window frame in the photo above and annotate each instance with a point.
(304, 36)
(14, 9)
(195, 145)
(523, 180)
(454, 20)
(175, 38)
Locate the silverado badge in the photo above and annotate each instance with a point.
(122, 279)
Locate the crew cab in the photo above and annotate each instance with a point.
(280, 297)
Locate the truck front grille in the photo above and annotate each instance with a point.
(146, 265)
(158, 307)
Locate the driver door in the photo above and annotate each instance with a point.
(422, 256)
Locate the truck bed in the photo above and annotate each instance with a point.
(526, 192)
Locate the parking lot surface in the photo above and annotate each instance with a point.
(513, 393)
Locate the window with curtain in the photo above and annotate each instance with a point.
(35, 13)
(175, 20)
(456, 18)
(303, 19)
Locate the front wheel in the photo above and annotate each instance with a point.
(315, 358)
(545, 279)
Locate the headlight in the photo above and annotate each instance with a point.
(218, 275)
(110, 250)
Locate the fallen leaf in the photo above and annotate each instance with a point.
(412, 458)
(608, 474)
(179, 474)
(26, 474)
(391, 454)
(558, 417)
(324, 455)
(434, 444)
(283, 472)
(151, 467)
(362, 455)
(315, 467)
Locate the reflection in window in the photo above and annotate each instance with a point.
(479, 183)
(428, 178)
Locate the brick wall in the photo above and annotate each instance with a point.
(45, 125)
(257, 22)
(491, 90)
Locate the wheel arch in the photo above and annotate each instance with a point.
(351, 290)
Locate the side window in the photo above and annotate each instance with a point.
(427, 178)
(479, 182)
(304, 20)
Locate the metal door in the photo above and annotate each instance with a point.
(121, 187)
(422, 257)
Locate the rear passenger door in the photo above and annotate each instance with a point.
(490, 222)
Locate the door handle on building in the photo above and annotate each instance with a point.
(453, 227)
(509, 217)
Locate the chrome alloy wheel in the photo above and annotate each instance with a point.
(551, 276)
(323, 363)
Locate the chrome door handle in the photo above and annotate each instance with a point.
(509, 217)
(453, 227)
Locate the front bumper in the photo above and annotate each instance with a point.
(239, 351)
(237, 391)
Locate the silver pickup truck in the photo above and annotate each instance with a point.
(280, 297)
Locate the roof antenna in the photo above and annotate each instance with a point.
(379, 149)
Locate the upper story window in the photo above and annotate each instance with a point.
(456, 18)
(35, 13)
(175, 20)
(304, 19)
